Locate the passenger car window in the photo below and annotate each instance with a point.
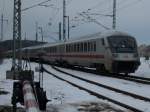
(103, 43)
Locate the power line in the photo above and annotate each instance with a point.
(99, 4)
(35, 5)
(93, 20)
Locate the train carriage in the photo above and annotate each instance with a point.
(112, 51)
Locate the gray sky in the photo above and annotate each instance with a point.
(132, 17)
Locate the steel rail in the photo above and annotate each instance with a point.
(95, 93)
(137, 79)
(105, 86)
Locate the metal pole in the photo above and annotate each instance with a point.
(36, 35)
(14, 39)
(42, 34)
(2, 22)
(25, 38)
(19, 36)
(2, 25)
(68, 28)
(114, 14)
(64, 20)
(59, 31)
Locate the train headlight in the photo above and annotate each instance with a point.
(115, 55)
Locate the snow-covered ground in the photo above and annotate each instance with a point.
(144, 69)
(69, 98)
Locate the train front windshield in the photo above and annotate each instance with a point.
(122, 44)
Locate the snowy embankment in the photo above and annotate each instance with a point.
(141, 105)
(144, 69)
(121, 84)
(61, 93)
(64, 97)
(5, 85)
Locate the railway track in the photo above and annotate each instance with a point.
(105, 86)
(98, 94)
(136, 79)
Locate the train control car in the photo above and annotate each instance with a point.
(111, 51)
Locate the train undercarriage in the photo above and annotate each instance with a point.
(125, 66)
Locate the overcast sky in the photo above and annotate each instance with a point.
(132, 17)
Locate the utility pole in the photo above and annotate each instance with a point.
(36, 35)
(42, 34)
(25, 36)
(64, 20)
(17, 34)
(114, 14)
(59, 31)
(68, 27)
(2, 25)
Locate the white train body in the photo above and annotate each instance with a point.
(113, 51)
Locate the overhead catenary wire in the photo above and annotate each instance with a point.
(93, 20)
(41, 3)
(99, 4)
(59, 9)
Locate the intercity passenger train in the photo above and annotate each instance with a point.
(112, 51)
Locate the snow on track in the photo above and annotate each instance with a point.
(141, 105)
(113, 82)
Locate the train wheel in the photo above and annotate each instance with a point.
(101, 68)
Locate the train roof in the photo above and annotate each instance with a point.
(83, 38)
(99, 35)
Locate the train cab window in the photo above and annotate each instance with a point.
(103, 43)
